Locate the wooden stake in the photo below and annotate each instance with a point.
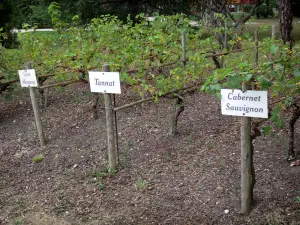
(273, 31)
(226, 36)
(183, 43)
(246, 175)
(112, 160)
(256, 47)
(116, 128)
(36, 111)
(273, 38)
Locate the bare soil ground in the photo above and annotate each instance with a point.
(187, 179)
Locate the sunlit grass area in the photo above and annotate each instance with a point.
(255, 23)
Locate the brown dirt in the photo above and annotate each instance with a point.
(187, 179)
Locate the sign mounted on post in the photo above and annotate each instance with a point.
(249, 103)
(28, 78)
(105, 82)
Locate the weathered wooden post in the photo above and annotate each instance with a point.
(112, 159)
(256, 47)
(246, 104)
(226, 35)
(108, 83)
(183, 44)
(273, 31)
(273, 38)
(36, 110)
(116, 129)
(246, 165)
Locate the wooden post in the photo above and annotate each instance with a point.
(116, 128)
(273, 38)
(112, 161)
(36, 111)
(226, 36)
(183, 43)
(246, 166)
(273, 31)
(256, 47)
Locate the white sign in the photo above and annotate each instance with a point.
(249, 103)
(105, 82)
(28, 78)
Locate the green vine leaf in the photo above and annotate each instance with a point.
(235, 82)
(264, 82)
(267, 130)
(274, 49)
(296, 73)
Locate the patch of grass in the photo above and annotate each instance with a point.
(105, 172)
(60, 208)
(101, 186)
(17, 210)
(275, 218)
(19, 221)
(38, 158)
(210, 145)
(100, 174)
(190, 139)
(298, 199)
(112, 173)
(254, 24)
(141, 184)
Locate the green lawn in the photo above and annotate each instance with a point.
(254, 24)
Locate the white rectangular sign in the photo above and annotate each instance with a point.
(105, 82)
(28, 78)
(249, 103)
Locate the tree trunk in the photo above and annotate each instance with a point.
(178, 108)
(286, 19)
(95, 102)
(293, 120)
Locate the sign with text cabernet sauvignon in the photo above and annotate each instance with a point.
(105, 82)
(249, 103)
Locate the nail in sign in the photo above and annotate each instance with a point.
(249, 103)
(28, 78)
(105, 82)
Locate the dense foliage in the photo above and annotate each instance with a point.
(149, 55)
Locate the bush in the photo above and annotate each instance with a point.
(263, 10)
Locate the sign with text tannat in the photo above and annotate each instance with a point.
(105, 82)
(28, 78)
(249, 103)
